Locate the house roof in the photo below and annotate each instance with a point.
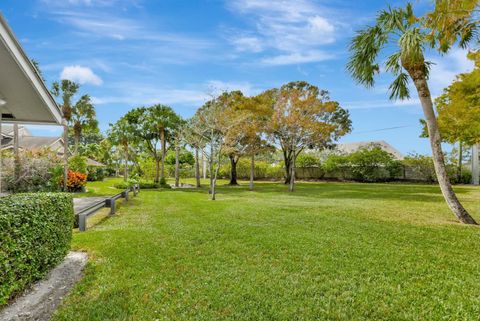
(94, 163)
(353, 147)
(24, 97)
(33, 142)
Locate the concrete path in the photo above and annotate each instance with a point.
(80, 204)
(43, 298)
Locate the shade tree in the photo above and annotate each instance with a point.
(303, 116)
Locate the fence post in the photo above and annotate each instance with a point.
(110, 202)
(125, 194)
(82, 222)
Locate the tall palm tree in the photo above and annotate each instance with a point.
(66, 89)
(399, 29)
(83, 118)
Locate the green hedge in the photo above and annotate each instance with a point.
(35, 235)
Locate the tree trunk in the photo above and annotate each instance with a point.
(460, 162)
(162, 138)
(288, 171)
(419, 79)
(211, 168)
(16, 155)
(76, 137)
(125, 171)
(197, 168)
(157, 169)
(177, 166)
(475, 168)
(292, 174)
(252, 171)
(215, 174)
(233, 170)
(65, 157)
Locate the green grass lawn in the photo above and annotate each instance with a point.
(329, 251)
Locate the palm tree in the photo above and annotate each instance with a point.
(83, 118)
(67, 89)
(399, 28)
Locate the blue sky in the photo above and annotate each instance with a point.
(130, 53)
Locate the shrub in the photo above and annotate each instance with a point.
(370, 164)
(95, 173)
(78, 164)
(307, 160)
(185, 157)
(373, 165)
(38, 172)
(142, 184)
(35, 234)
(337, 166)
(76, 181)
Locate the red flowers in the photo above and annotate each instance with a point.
(76, 181)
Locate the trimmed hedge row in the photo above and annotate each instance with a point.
(35, 235)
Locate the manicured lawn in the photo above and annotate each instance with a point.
(329, 251)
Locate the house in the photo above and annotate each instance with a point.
(24, 97)
(26, 141)
(348, 148)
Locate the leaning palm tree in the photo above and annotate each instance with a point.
(399, 29)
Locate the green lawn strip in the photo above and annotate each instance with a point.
(328, 251)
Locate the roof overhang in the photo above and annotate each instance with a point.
(24, 97)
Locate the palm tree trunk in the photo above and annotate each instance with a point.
(157, 169)
(162, 170)
(197, 168)
(177, 166)
(65, 157)
(252, 171)
(419, 79)
(77, 142)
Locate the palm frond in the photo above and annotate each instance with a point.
(393, 63)
(364, 51)
(399, 88)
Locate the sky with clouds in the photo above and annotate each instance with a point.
(130, 53)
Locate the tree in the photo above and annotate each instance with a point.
(399, 27)
(452, 21)
(66, 89)
(212, 122)
(196, 141)
(83, 119)
(155, 126)
(458, 111)
(304, 117)
(123, 135)
(252, 130)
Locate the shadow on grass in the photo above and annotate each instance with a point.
(336, 190)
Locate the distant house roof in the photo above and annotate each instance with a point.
(94, 163)
(31, 142)
(348, 148)
(24, 97)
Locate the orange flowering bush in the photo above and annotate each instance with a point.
(76, 181)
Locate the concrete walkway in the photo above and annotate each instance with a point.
(80, 204)
(39, 302)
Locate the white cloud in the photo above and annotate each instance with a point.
(446, 68)
(82, 75)
(290, 27)
(297, 58)
(138, 94)
(247, 43)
